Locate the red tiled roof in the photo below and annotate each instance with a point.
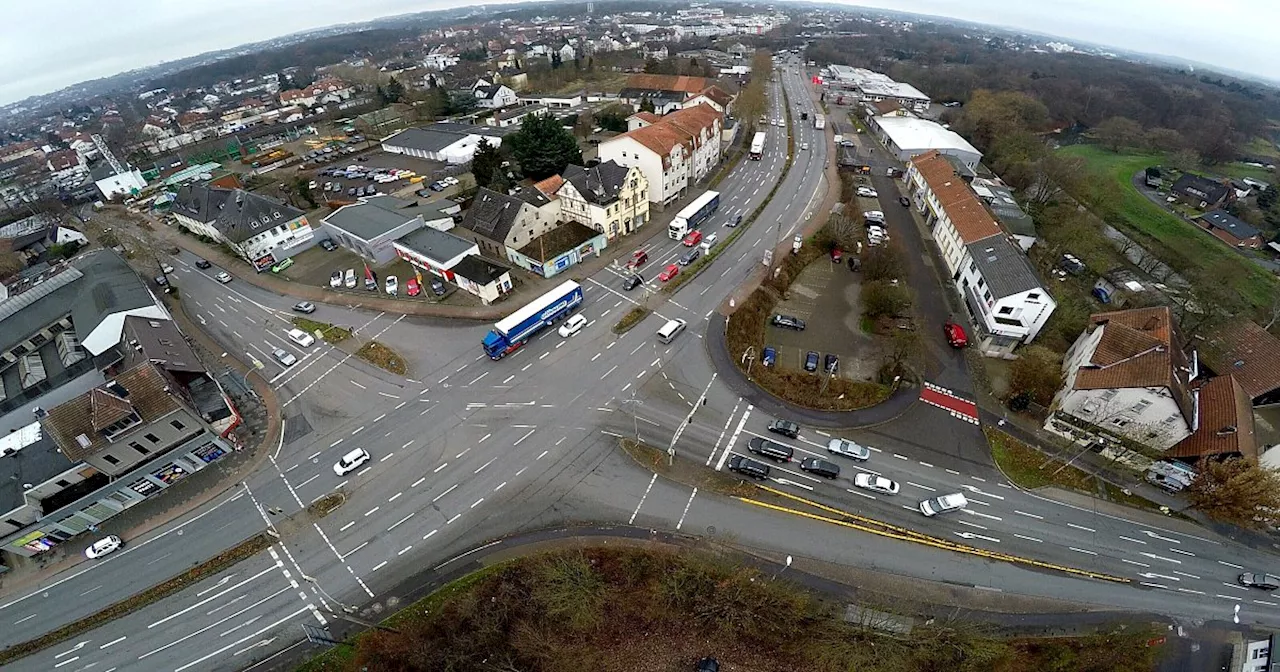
(719, 95)
(970, 219)
(682, 127)
(1249, 353)
(691, 85)
(1138, 348)
(549, 186)
(648, 117)
(1226, 423)
(148, 395)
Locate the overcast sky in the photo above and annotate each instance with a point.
(48, 46)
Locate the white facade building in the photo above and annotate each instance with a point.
(675, 151)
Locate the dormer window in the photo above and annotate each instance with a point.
(121, 426)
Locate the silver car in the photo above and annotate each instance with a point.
(847, 448)
(284, 357)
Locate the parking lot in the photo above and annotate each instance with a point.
(316, 266)
(827, 297)
(336, 181)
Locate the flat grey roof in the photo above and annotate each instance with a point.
(367, 220)
(34, 464)
(435, 244)
(1003, 265)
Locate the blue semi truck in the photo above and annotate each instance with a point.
(509, 334)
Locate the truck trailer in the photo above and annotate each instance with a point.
(694, 214)
(509, 334)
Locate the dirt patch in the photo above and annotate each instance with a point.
(383, 357)
(327, 504)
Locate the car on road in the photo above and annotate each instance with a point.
(836, 255)
(284, 357)
(349, 279)
(392, 285)
(335, 279)
(831, 363)
(304, 307)
(103, 546)
(789, 322)
(748, 467)
(904, 201)
(223, 277)
(944, 504)
(437, 286)
(693, 238)
(202, 263)
(785, 428)
(690, 256)
(328, 244)
(876, 483)
(572, 325)
(1259, 580)
(770, 449)
(849, 449)
(736, 221)
(811, 361)
(351, 461)
(301, 337)
(820, 467)
(770, 356)
(804, 145)
(166, 268)
(638, 258)
(955, 335)
(634, 280)
(669, 272)
(867, 192)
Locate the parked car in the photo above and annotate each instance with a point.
(392, 285)
(202, 263)
(437, 287)
(955, 335)
(849, 449)
(785, 428)
(411, 287)
(349, 279)
(944, 504)
(305, 307)
(370, 285)
(873, 216)
(748, 467)
(904, 201)
(875, 483)
(690, 256)
(769, 356)
(286, 263)
(572, 325)
(831, 363)
(692, 238)
(351, 461)
(284, 357)
(162, 281)
(335, 279)
(103, 546)
(669, 272)
(837, 254)
(811, 361)
(634, 280)
(223, 277)
(788, 322)
(867, 192)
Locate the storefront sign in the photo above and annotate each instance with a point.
(144, 487)
(210, 452)
(170, 473)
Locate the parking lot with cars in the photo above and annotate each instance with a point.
(805, 335)
(342, 269)
(378, 172)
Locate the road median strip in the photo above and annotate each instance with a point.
(244, 550)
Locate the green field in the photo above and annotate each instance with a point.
(1174, 241)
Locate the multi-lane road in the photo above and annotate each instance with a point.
(466, 449)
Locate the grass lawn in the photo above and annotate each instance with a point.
(1167, 236)
(1261, 147)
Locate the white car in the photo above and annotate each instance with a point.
(301, 337)
(349, 280)
(573, 325)
(351, 461)
(875, 483)
(392, 285)
(166, 268)
(804, 145)
(311, 185)
(335, 279)
(867, 192)
(873, 216)
(284, 357)
(223, 277)
(847, 448)
(953, 502)
(102, 547)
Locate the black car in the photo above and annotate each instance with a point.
(789, 322)
(906, 203)
(328, 245)
(437, 287)
(821, 468)
(748, 467)
(709, 664)
(830, 363)
(770, 449)
(162, 281)
(690, 256)
(632, 282)
(201, 263)
(785, 428)
(811, 361)
(736, 221)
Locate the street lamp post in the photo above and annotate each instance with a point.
(345, 608)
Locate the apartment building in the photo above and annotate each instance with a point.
(263, 231)
(674, 152)
(609, 198)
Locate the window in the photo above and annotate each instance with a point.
(38, 340)
(121, 426)
(111, 459)
(138, 447)
(61, 483)
(982, 282)
(1110, 394)
(1005, 310)
(1140, 406)
(177, 425)
(20, 350)
(1120, 422)
(151, 437)
(1033, 296)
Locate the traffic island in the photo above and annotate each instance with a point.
(632, 318)
(328, 332)
(382, 357)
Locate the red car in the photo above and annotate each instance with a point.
(955, 335)
(637, 259)
(411, 287)
(693, 238)
(836, 255)
(669, 272)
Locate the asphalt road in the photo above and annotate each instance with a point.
(465, 449)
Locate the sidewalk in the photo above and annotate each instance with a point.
(188, 495)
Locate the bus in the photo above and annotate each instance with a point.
(819, 121)
(757, 146)
(694, 214)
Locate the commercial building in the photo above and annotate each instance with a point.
(559, 249)
(261, 230)
(907, 137)
(673, 152)
(446, 142)
(455, 260)
(370, 226)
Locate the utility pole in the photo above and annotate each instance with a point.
(635, 413)
(688, 420)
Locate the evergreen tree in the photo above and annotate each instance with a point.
(555, 60)
(485, 164)
(394, 91)
(543, 147)
(646, 105)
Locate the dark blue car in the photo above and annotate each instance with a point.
(811, 361)
(770, 356)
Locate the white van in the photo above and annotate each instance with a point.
(670, 330)
(709, 242)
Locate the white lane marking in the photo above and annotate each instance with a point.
(642, 498)
(1220, 562)
(686, 508)
(1081, 527)
(1136, 541)
(398, 522)
(1038, 541)
(1082, 550)
(1135, 562)
(1181, 552)
(1029, 515)
(439, 496)
(922, 487)
(1153, 556)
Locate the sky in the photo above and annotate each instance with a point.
(47, 47)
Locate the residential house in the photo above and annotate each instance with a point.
(371, 226)
(608, 198)
(483, 277)
(665, 92)
(1201, 192)
(322, 92)
(674, 153)
(1127, 378)
(714, 96)
(514, 116)
(1229, 229)
(1250, 354)
(500, 222)
(1004, 296)
(559, 249)
(494, 96)
(567, 53)
(1011, 217)
(1225, 428)
(656, 50)
(261, 230)
(112, 184)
